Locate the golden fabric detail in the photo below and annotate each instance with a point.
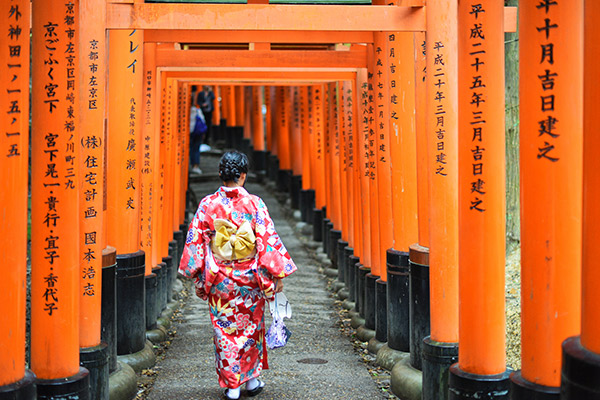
(233, 243)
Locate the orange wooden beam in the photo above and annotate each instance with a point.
(269, 58)
(261, 76)
(262, 36)
(264, 17)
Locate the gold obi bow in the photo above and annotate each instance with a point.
(233, 243)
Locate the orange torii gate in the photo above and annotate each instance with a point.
(161, 187)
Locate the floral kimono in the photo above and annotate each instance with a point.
(233, 254)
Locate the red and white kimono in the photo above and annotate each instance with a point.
(235, 295)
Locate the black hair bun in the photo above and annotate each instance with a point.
(232, 165)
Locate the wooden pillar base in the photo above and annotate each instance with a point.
(381, 326)
(273, 171)
(72, 387)
(466, 386)
(151, 284)
(350, 261)
(131, 312)
(95, 360)
(259, 158)
(334, 236)
(361, 285)
(419, 302)
(327, 226)
(159, 270)
(580, 371)
(295, 188)
(370, 317)
(108, 332)
(317, 222)
(307, 205)
(521, 389)
(340, 256)
(167, 266)
(172, 269)
(24, 389)
(398, 332)
(179, 237)
(437, 359)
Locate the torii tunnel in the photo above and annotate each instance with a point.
(384, 123)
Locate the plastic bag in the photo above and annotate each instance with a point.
(278, 334)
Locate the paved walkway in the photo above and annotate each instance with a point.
(188, 372)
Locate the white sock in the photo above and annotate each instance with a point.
(252, 384)
(233, 393)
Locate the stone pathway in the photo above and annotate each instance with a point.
(319, 362)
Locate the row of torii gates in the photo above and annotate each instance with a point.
(388, 118)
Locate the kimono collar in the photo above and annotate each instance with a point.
(237, 191)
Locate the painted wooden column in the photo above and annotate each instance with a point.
(240, 106)
(551, 93)
(94, 354)
(282, 136)
(418, 254)
(402, 141)
(55, 212)
(334, 207)
(15, 380)
(224, 103)
(123, 180)
(320, 211)
(149, 189)
(581, 354)
(481, 363)
(217, 113)
(180, 172)
(363, 150)
(349, 134)
(441, 347)
(231, 106)
(307, 193)
(259, 154)
(296, 144)
(269, 94)
(248, 114)
(342, 153)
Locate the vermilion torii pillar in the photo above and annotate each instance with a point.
(334, 205)
(307, 194)
(123, 178)
(551, 94)
(15, 380)
(318, 160)
(94, 354)
(481, 366)
(259, 155)
(365, 110)
(402, 150)
(440, 349)
(283, 108)
(55, 258)
(296, 145)
(581, 354)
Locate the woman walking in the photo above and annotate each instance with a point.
(237, 260)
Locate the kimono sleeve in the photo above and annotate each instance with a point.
(272, 254)
(193, 262)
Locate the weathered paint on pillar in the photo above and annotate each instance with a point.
(240, 106)
(403, 138)
(348, 122)
(269, 102)
(590, 306)
(362, 86)
(333, 140)
(423, 175)
(481, 183)
(14, 150)
(319, 148)
(295, 131)
(124, 133)
(342, 152)
(283, 131)
(258, 125)
(216, 105)
(150, 170)
(55, 258)
(373, 222)
(442, 130)
(383, 177)
(305, 131)
(92, 80)
(551, 93)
